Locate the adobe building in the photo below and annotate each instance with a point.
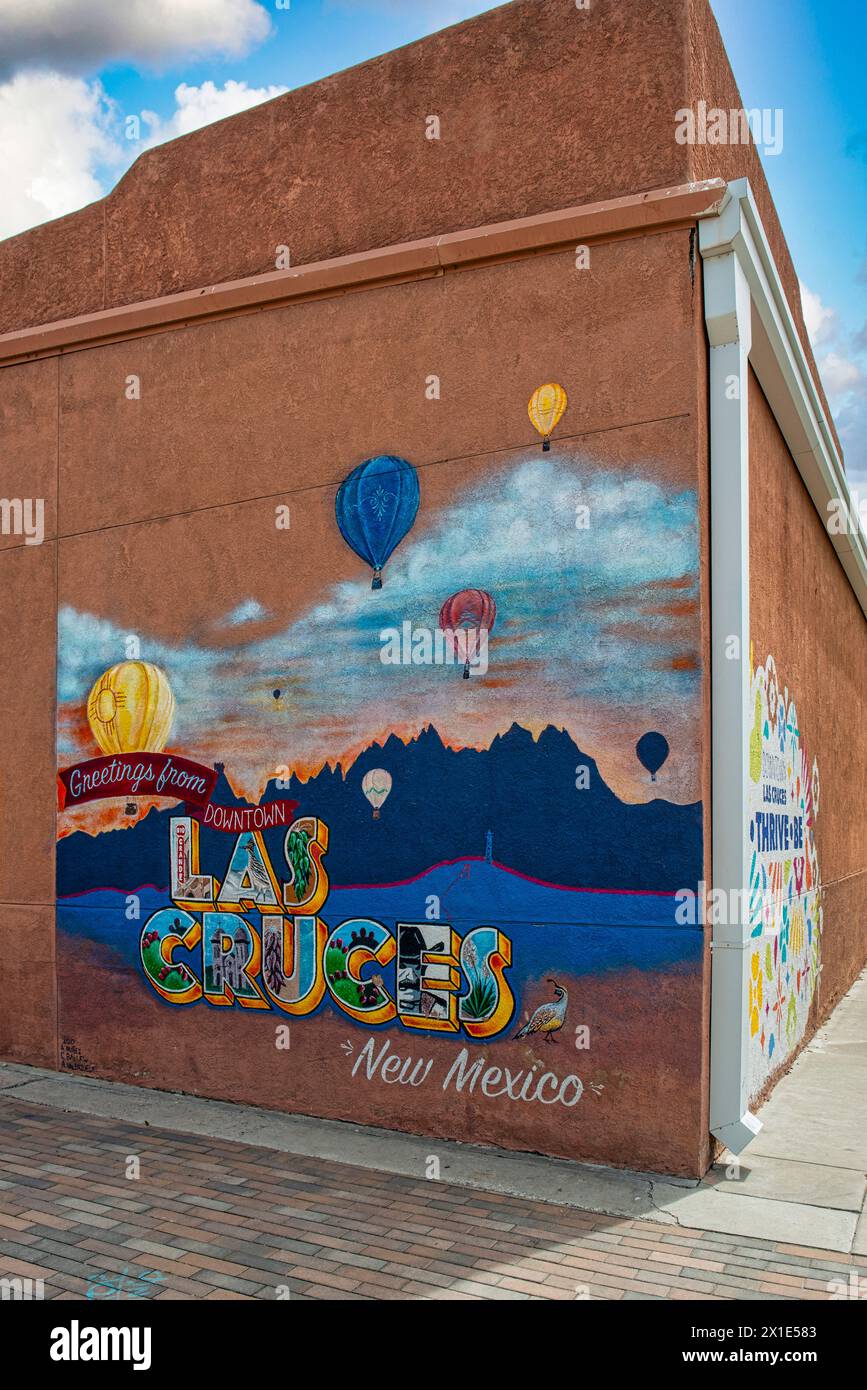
(361, 757)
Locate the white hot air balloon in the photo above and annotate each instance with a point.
(376, 785)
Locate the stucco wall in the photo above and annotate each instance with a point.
(160, 525)
(542, 106)
(167, 536)
(805, 616)
(28, 594)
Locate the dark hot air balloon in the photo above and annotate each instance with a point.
(468, 612)
(376, 506)
(652, 750)
(277, 694)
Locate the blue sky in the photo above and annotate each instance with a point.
(66, 87)
(811, 60)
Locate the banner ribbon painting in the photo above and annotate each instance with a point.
(137, 774)
(234, 820)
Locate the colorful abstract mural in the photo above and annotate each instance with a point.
(334, 829)
(785, 884)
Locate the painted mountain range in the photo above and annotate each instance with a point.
(443, 805)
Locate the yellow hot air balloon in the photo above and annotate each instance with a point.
(546, 406)
(130, 710)
(376, 786)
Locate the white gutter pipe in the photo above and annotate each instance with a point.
(728, 318)
(749, 324)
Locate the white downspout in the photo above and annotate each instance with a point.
(728, 317)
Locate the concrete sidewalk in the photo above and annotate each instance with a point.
(811, 1155)
(801, 1182)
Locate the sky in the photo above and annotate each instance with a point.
(85, 85)
(622, 660)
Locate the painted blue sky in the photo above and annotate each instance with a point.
(72, 71)
(620, 658)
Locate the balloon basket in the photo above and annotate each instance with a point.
(375, 814)
(546, 446)
(467, 672)
(377, 580)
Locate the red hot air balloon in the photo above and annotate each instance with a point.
(463, 619)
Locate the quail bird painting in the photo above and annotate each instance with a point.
(548, 1018)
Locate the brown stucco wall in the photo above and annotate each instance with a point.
(803, 612)
(542, 106)
(28, 605)
(163, 508)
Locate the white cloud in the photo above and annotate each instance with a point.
(839, 374)
(334, 645)
(61, 146)
(55, 133)
(61, 143)
(250, 611)
(822, 322)
(60, 136)
(79, 36)
(513, 534)
(199, 106)
(845, 380)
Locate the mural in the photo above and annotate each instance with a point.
(652, 750)
(785, 885)
(307, 817)
(546, 408)
(466, 619)
(376, 507)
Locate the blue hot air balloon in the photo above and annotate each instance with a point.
(652, 750)
(376, 506)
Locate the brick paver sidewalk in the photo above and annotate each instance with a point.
(212, 1219)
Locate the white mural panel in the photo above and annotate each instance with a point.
(785, 884)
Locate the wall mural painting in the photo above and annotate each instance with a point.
(785, 885)
(376, 507)
(546, 409)
(470, 862)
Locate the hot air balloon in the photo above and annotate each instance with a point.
(130, 710)
(470, 611)
(376, 506)
(376, 785)
(652, 750)
(546, 406)
(277, 694)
